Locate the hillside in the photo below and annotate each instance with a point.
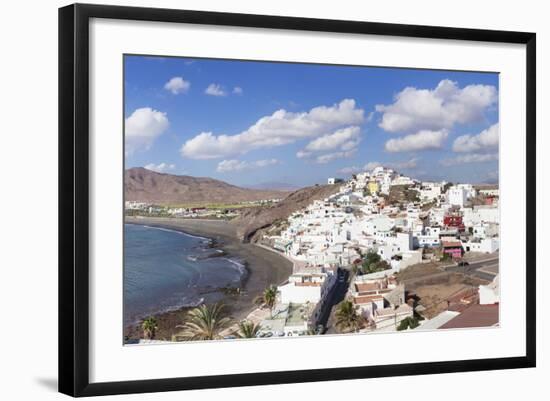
(144, 185)
(256, 219)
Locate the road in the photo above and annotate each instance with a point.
(485, 269)
(338, 294)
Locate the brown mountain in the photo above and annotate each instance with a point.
(145, 185)
(255, 221)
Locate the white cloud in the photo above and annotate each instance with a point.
(345, 139)
(435, 109)
(280, 128)
(226, 166)
(422, 140)
(177, 85)
(143, 127)
(350, 170)
(470, 158)
(301, 154)
(328, 157)
(237, 90)
(371, 166)
(231, 165)
(486, 139)
(215, 90)
(339, 144)
(161, 167)
(265, 163)
(404, 165)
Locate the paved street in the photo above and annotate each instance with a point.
(484, 269)
(338, 295)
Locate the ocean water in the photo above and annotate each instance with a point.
(166, 269)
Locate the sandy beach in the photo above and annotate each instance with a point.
(264, 266)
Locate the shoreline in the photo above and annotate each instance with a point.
(264, 268)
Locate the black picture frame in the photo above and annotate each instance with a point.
(74, 198)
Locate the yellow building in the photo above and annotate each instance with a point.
(373, 187)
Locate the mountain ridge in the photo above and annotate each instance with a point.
(141, 184)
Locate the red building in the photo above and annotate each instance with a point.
(452, 248)
(453, 220)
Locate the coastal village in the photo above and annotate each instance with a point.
(379, 224)
(384, 253)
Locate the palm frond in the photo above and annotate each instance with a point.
(204, 323)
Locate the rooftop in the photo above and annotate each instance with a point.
(363, 299)
(391, 311)
(307, 284)
(297, 314)
(362, 287)
(475, 316)
(451, 244)
(438, 320)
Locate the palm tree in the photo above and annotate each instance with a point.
(248, 329)
(347, 318)
(268, 298)
(204, 323)
(149, 327)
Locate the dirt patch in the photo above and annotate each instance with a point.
(434, 297)
(436, 289)
(415, 272)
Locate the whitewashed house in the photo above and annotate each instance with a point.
(490, 294)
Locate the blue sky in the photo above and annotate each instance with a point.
(249, 123)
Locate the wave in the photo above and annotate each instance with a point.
(178, 231)
(136, 319)
(239, 266)
(208, 253)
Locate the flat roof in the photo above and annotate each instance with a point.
(475, 316)
(307, 284)
(449, 244)
(297, 314)
(437, 321)
(367, 298)
(361, 287)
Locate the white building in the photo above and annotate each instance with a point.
(490, 294)
(430, 191)
(288, 320)
(389, 318)
(437, 321)
(457, 196)
(428, 241)
(381, 301)
(486, 245)
(485, 230)
(480, 214)
(409, 258)
(402, 180)
(378, 225)
(306, 287)
(489, 191)
(395, 245)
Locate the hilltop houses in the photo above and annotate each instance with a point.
(337, 230)
(404, 221)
